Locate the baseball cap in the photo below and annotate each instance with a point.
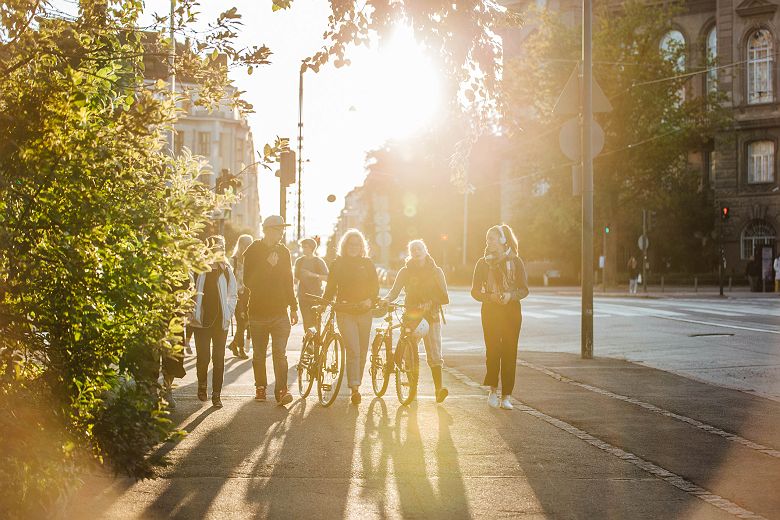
(274, 221)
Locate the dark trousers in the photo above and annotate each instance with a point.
(210, 346)
(501, 328)
(278, 328)
(242, 321)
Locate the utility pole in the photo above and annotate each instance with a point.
(300, 148)
(604, 255)
(172, 76)
(645, 243)
(586, 115)
(466, 218)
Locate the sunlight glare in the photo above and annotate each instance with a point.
(404, 90)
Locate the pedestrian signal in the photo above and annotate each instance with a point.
(724, 213)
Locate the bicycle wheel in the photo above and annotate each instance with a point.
(407, 370)
(380, 369)
(307, 366)
(331, 372)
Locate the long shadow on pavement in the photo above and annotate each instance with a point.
(394, 463)
(304, 466)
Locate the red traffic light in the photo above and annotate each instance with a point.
(444, 237)
(724, 213)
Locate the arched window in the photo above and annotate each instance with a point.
(673, 49)
(759, 67)
(761, 162)
(756, 234)
(711, 59)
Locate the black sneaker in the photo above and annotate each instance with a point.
(285, 397)
(216, 401)
(202, 393)
(356, 398)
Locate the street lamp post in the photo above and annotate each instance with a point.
(300, 148)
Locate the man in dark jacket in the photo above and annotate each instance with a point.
(268, 277)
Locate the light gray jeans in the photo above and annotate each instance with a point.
(356, 331)
(432, 342)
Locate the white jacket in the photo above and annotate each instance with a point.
(228, 295)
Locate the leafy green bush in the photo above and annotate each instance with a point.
(98, 233)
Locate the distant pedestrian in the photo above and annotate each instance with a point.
(272, 306)
(426, 291)
(353, 282)
(753, 273)
(237, 346)
(215, 302)
(633, 275)
(500, 282)
(776, 267)
(310, 273)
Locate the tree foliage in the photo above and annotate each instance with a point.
(98, 234)
(660, 114)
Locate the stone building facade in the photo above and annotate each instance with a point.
(740, 167)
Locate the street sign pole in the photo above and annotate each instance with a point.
(587, 181)
(720, 256)
(645, 244)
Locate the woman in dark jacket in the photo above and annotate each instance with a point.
(352, 280)
(500, 283)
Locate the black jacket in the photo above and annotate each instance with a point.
(270, 287)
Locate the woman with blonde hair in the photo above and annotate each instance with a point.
(237, 346)
(353, 282)
(500, 283)
(426, 291)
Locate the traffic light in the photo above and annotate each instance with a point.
(286, 171)
(724, 213)
(444, 237)
(606, 229)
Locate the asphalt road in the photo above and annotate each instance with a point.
(603, 438)
(733, 342)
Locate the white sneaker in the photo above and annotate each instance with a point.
(493, 400)
(506, 404)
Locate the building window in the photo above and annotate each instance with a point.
(204, 144)
(759, 70)
(712, 164)
(755, 235)
(673, 49)
(711, 58)
(761, 162)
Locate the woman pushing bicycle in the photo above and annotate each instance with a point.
(426, 291)
(353, 281)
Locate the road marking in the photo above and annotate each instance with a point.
(564, 312)
(655, 409)
(752, 329)
(657, 471)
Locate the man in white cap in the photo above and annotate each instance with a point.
(268, 276)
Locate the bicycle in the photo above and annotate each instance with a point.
(323, 355)
(404, 362)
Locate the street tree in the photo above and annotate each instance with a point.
(661, 116)
(99, 231)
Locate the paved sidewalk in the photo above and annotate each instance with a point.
(588, 439)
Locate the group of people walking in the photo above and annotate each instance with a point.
(257, 286)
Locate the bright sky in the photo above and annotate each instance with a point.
(385, 93)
